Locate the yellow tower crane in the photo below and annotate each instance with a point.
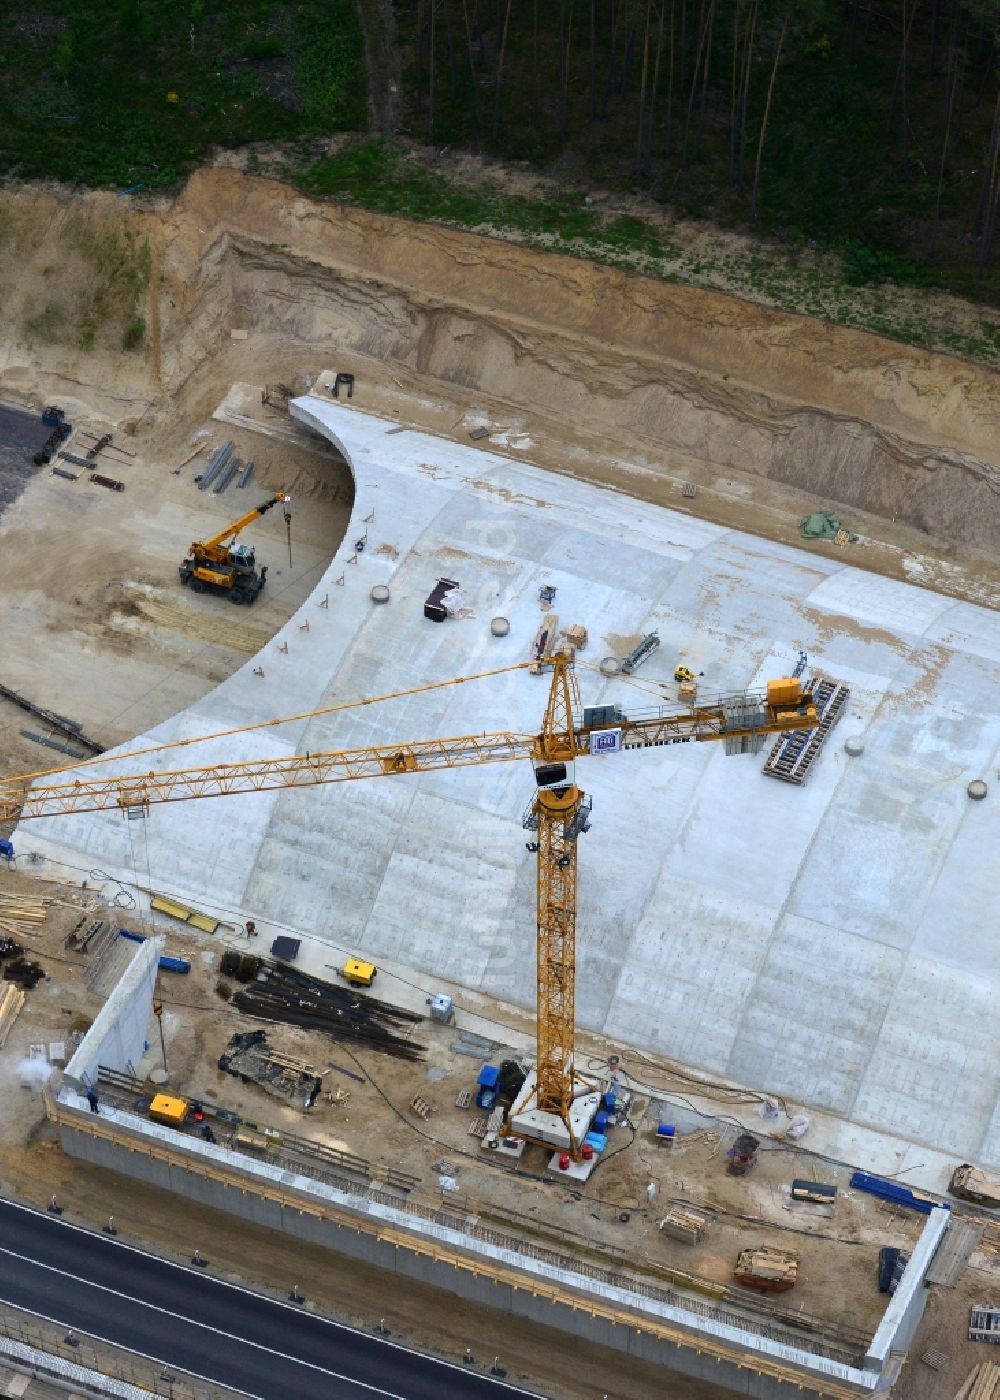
(558, 815)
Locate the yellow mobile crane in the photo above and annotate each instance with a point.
(219, 563)
(558, 815)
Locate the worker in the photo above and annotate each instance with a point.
(251, 929)
(92, 1100)
(206, 1132)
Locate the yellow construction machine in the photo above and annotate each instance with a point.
(231, 568)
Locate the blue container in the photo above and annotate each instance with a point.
(610, 1101)
(598, 1141)
(489, 1077)
(175, 964)
(488, 1082)
(600, 1121)
(666, 1130)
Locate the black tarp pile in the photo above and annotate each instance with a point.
(284, 994)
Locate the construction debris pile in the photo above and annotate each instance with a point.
(249, 1057)
(17, 969)
(286, 995)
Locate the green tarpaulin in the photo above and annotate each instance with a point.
(822, 525)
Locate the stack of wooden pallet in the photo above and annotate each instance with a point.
(11, 1001)
(684, 1223)
(22, 914)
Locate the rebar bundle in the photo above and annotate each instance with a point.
(287, 995)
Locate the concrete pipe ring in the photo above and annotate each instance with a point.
(500, 627)
(380, 594)
(610, 666)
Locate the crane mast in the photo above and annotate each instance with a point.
(554, 817)
(558, 814)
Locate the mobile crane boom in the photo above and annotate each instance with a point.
(218, 546)
(559, 812)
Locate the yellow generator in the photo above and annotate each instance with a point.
(165, 1109)
(358, 973)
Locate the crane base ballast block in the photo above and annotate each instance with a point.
(538, 1125)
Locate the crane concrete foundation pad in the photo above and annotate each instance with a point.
(535, 1124)
(827, 943)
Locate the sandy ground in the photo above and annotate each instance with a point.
(609, 1222)
(98, 628)
(97, 625)
(944, 1329)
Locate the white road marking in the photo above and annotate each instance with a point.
(193, 1322)
(258, 1297)
(156, 1360)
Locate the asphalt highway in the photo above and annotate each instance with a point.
(185, 1319)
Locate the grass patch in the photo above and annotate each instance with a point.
(134, 334)
(374, 174)
(96, 270)
(136, 92)
(46, 326)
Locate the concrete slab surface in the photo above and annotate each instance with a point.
(831, 943)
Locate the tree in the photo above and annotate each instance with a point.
(500, 61)
(755, 197)
(986, 214)
(640, 136)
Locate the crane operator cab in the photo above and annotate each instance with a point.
(242, 558)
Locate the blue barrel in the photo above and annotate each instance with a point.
(666, 1130)
(600, 1121)
(610, 1101)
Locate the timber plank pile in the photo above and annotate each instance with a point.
(11, 1001)
(22, 915)
(766, 1269)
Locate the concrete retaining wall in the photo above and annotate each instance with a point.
(436, 1259)
(118, 1036)
(906, 1307)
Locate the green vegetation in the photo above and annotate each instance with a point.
(136, 92)
(862, 141)
(873, 130)
(134, 333)
(96, 279)
(46, 325)
(835, 285)
(117, 265)
(378, 176)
